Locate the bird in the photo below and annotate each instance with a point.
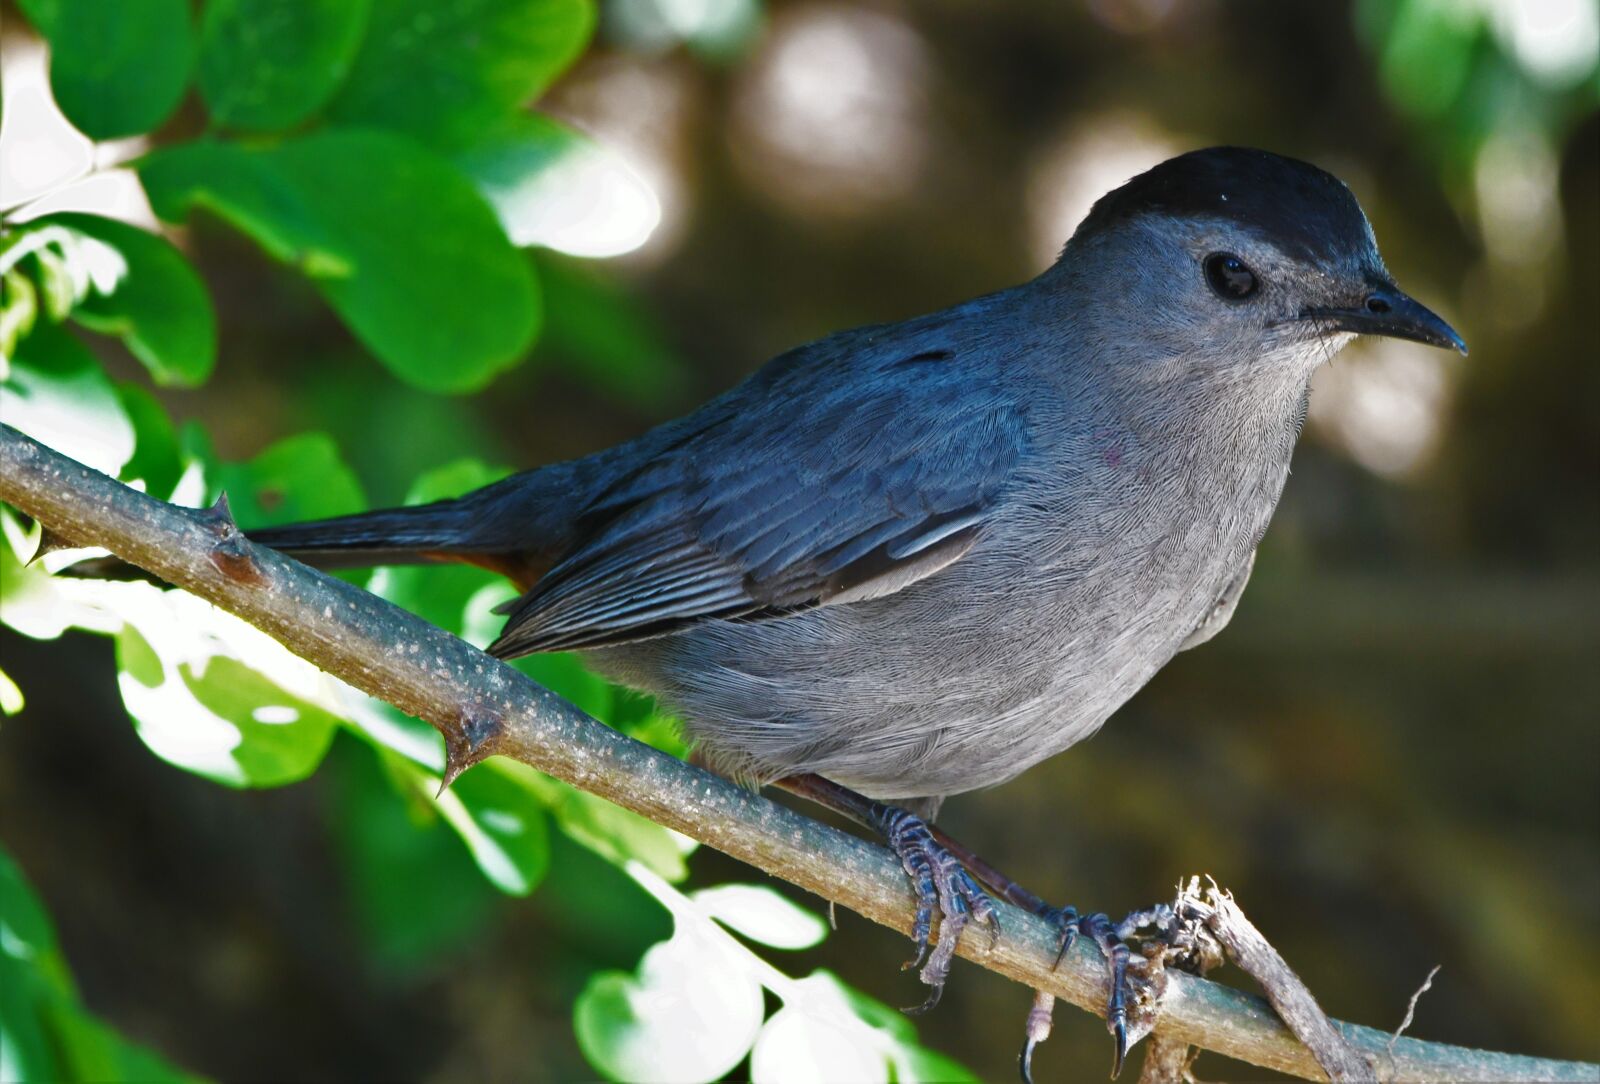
(912, 560)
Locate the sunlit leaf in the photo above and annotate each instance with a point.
(797, 1046)
(56, 393)
(282, 738)
(690, 1012)
(11, 700)
(266, 65)
(397, 240)
(503, 826)
(47, 269)
(19, 308)
(117, 69)
(198, 706)
(555, 187)
(763, 915)
(159, 308)
(448, 71)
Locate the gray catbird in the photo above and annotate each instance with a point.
(914, 559)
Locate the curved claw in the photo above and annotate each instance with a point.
(1119, 1033)
(1040, 1017)
(1115, 951)
(935, 992)
(1025, 1059)
(1066, 920)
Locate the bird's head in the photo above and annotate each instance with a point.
(1238, 258)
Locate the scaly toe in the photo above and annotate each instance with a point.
(938, 879)
(1116, 953)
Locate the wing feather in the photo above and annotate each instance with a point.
(826, 479)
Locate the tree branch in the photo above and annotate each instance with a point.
(484, 708)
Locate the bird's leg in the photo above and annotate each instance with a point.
(1069, 924)
(937, 877)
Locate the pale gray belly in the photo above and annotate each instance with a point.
(958, 682)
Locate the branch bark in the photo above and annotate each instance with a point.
(485, 708)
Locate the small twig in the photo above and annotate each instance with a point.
(1253, 954)
(1411, 1007)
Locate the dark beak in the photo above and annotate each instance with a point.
(1387, 311)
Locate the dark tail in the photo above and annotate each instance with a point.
(390, 536)
(514, 527)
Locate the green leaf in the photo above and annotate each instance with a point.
(266, 65)
(503, 825)
(396, 239)
(57, 394)
(413, 888)
(117, 69)
(45, 1033)
(96, 1052)
(689, 1013)
(159, 307)
(302, 477)
(19, 308)
(208, 712)
(282, 738)
(555, 187)
(445, 71)
(158, 459)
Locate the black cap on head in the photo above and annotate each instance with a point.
(1306, 211)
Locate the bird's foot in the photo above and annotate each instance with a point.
(1124, 1018)
(940, 881)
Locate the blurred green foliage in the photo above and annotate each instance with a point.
(45, 1031)
(1341, 757)
(381, 152)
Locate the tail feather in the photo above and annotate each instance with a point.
(389, 536)
(514, 527)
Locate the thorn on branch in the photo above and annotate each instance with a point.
(471, 740)
(230, 553)
(219, 517)
(51, 542)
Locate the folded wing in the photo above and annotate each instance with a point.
(804, 488)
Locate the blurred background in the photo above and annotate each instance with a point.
(1391, 756)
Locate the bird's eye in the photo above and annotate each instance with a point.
(1229, 277)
